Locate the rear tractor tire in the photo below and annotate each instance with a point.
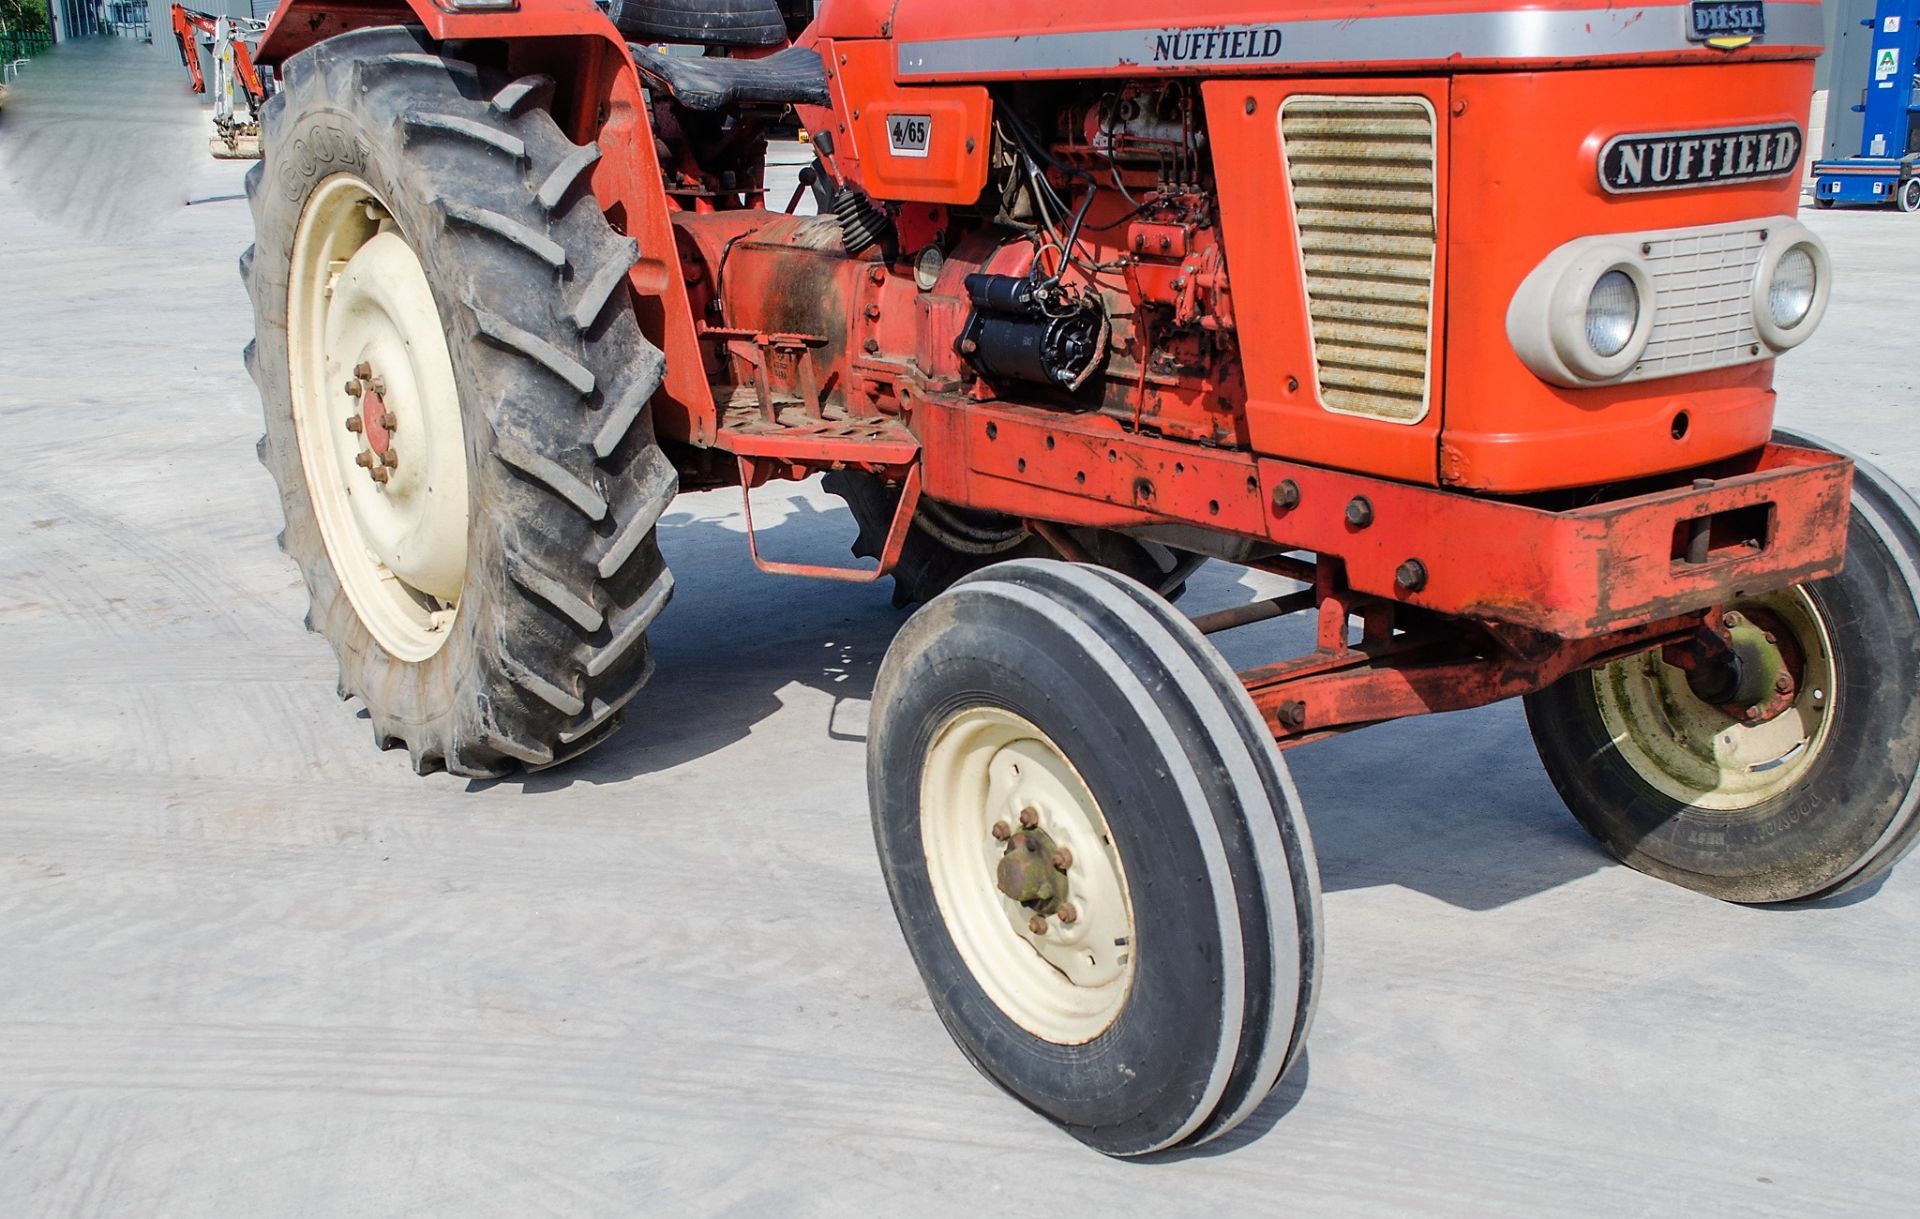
(946, 543)
(1095, 853)
(455, 392)
(1806, 793)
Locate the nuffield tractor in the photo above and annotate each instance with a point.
(1460, 315)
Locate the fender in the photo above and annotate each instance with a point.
(601, 101)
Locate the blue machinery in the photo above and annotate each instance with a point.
(1887, 169)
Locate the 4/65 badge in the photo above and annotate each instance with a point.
(907, 134)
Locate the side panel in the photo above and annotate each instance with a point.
(927, 144)
(1285, 415)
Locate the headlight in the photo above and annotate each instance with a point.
(1613, 311)
(1790, 287)
(1790, 294)
(1583, 316)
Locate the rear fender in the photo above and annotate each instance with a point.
(600, 100)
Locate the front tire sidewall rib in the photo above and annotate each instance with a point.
(565, 479)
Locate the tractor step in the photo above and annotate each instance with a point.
(789, 431)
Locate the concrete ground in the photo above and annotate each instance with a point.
(250, 966)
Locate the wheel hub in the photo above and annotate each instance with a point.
(373, 423)
(1034, 871)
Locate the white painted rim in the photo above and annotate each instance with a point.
(1697, 754)
(357, 293)
(1069, 984)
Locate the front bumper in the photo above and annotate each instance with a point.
(1763, 521)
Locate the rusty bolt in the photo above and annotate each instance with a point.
(1166, 243)
(1731, 618)
(353, 389)
(1068, 912)
(1411, 575)
(1753, 714)
(871, 346)
(388, 422)
(1037, 924)
(1286, 495)
(1359, 512)
(379, 386)
(379, 474)
(1061, 859)
(1249, 106)
(1029, 818)
(1782, 683)
(878, 274)
(354, 424)
(363, 459)
(392, 459)
(1293, 713)
(1002, 831)
(873, 313)
(363, 370)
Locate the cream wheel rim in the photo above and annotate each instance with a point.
(358, 299)
(1068, 982)
(1696, 752)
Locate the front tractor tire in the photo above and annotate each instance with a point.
(1095, 853)
(1807, 792)
(455, 391)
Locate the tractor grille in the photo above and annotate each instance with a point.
(1362, 176)
(1703, 289)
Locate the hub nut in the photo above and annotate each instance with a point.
(1002, 831)
(1062, 858)
(1068, 912)
(1029, 818)
(1037, 924)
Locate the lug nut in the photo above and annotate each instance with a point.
(392, 459)
(363, 370)
(1037, 924)
(1029, 818)
(379, 474)
(1061, 859)
(380, 386)
(354, 425)
(387, 421)
(353, 389)
(1068, 912)
(363, 459)
(1782, 683)
(1002, 831)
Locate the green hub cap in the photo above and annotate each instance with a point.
(1029, 873)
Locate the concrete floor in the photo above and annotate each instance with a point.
(251, 966)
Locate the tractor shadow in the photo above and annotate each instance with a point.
(1454, 806)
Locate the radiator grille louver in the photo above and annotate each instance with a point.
(1703, 293)
(1361, 171)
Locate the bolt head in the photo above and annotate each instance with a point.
(1002, 831)
(1359, 512)
(1037, 924)
(1068, 912)
(1411, 575)
(1753, 714)
(363, 370)
(1061, 859)
(1768, 636)
(354, 424)
(363, 459)
(353, 389)
(1732, 618)
(379, 474)
(1286, 495)
(1029, 817)
(1782, 683)
(392, 459)
(387, 421)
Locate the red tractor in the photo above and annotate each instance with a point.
(1460, 314)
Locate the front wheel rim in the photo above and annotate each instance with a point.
(1063, 976)
(1698, 754)
(376, 412)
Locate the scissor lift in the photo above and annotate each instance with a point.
(1887, 169)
